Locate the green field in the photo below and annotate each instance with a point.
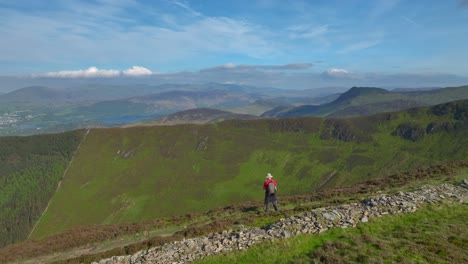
(133, 174)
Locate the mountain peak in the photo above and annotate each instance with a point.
(358, 91)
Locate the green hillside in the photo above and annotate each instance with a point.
(131, 174)
(30, 168)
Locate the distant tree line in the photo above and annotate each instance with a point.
(30, 169)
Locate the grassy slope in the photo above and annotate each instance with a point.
(92, 243)
(436, 234)
(123, 175)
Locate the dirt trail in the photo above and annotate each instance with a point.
(328, 178)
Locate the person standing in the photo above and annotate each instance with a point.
(270, 187)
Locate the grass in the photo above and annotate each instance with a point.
(134, 174)
(92, 243)
(436, 234)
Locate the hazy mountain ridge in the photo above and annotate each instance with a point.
(367, 101)
(30, 94)
(45, 110)
(95, 92)
(35, 110)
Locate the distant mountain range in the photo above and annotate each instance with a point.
(196, 116)
(357, 101)
(95, 93)
(38, 109)
(360, 101)
(38, 95)
(41, 94)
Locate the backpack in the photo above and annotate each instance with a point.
(271, 188)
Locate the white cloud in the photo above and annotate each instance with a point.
(137, 71)
(91, 72)
(337, 73)
(332, 77)
(94, 72)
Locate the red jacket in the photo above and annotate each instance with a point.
(265, 184)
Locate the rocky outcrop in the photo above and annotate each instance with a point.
(409, 131)
(344, 130)
(311, 222)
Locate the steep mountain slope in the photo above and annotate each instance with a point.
(130, 174)
(360, 101)
(195, 116)
(86, 244)
(30, 168)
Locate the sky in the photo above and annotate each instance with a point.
(287, 44)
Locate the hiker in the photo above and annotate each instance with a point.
(270, 186)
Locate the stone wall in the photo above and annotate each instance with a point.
(312, 222)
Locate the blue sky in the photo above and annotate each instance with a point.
(330, 42)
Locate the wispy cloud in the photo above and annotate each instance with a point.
(184, 5)
(246, 67)
(382, 7)
(306, 31)
(183, 35)
(360, 46)
(85, 32)
(411, 21)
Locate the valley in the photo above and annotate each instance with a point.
(37, 110)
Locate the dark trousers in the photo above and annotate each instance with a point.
(270, 199)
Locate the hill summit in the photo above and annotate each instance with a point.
(359, 91)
